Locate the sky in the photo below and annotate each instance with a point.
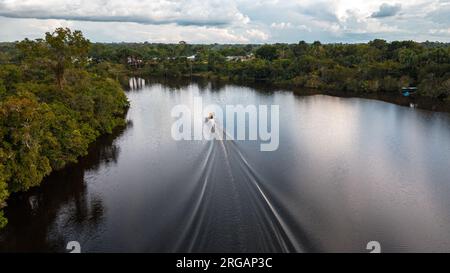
(229, 21)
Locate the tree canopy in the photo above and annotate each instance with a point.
(375, 67)
(59, 50)
(53, 104)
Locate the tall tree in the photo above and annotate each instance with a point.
(59, 50)
(267, 52)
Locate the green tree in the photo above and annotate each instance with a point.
(267, 52)
(10, 75)
(23, 125)
(59, 51)
(3, 189)
(43, 125)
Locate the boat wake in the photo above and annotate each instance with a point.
(230, 210)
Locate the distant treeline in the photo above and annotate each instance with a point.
(53, 104)
(377, 66)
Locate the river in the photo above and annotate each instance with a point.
(347, 171)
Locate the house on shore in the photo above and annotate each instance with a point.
(134, 61)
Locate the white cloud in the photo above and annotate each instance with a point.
(281, 25)
(194, 12)
(229, 21)
(289, 25)
(257, 34)
(440, 31)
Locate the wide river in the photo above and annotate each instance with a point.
(347, 171)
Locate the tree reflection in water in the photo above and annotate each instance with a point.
(42, 218)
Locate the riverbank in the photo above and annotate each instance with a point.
(415, 101)
(59, 132)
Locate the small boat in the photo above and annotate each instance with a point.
(209, 117)
(408, 91)
(212, 123)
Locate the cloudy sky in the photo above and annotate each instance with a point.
(229, 21)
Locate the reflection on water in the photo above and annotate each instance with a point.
(43, 218)
(136, 83)
(347, 171)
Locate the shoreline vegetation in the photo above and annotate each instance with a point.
(377, 70)
(415, 101)
(53, 105)
(60, 93)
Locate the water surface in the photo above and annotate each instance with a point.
(347, 171)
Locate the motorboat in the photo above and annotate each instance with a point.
(212, 123)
